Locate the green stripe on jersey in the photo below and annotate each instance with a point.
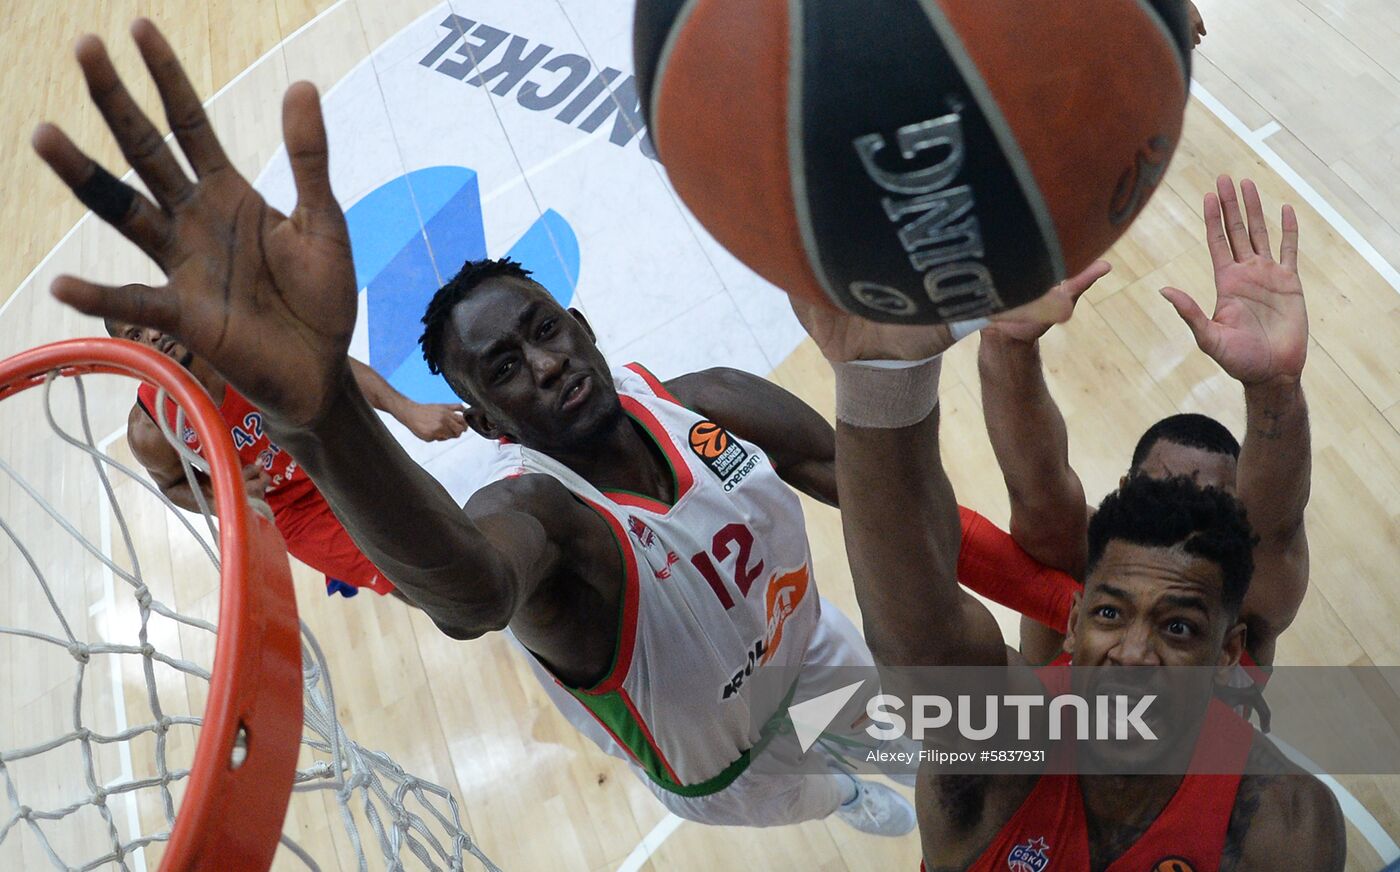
(613, 712)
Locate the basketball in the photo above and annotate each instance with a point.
(918, 161)
(432, 346)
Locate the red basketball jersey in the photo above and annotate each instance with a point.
(1049, 832)
(245, 423)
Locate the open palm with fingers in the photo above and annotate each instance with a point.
(1259, 331)
(268, 299)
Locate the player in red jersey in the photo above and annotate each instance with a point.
(1168, 567)
(306, 522)
(1259, 337)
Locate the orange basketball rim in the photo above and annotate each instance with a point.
(233, 810)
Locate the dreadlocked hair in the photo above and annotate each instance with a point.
(472, 274)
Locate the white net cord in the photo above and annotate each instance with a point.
(409, 818)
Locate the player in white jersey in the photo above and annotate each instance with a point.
(710, 544)
(674, 703)
(270, 302)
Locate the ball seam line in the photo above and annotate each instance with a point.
(991, 111)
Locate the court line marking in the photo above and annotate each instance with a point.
(1367, 825)
(108, 603)
(1255, 140)
(650, 842)
(170, 137)
(109, 595)
(1352, 809)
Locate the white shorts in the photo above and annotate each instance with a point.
(763, 799)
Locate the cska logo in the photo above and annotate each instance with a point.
(1029, 856)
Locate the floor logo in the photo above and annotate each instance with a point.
(412, 234)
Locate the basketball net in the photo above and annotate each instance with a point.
(407, 818)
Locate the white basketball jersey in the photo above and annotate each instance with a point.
(718, 587)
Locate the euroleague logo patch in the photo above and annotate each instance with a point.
(1173, 864)
(721, 452)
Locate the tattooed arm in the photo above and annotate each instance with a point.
(1283, 821)
(1275, 479)
(1259, 336)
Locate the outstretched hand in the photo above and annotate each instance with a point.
(843, 337)
(1259, 331)
(268, 299)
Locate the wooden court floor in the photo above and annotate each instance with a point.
(1301, 95)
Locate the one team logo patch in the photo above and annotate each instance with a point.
(1030, 856)
(722, 453)
(1173, 864)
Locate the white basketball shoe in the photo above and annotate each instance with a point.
(877, 809)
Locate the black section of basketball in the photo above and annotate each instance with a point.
(1178, 21)
(870, 75)
(651, 26)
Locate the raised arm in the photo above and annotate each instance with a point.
(1275, 480)
(898, 510)
(797, 438)
(270, 302)
(1048, 514)
(431, 422)
(470, 573)
(902, 534)
(1259, 336)
(162, 462)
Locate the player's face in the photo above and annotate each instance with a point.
(531, 370)
(1152, 621)
(1205, 468)
(162, 342)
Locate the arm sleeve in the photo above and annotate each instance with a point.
(990, 563)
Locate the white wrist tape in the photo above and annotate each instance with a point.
(886, 394)
(963, 329)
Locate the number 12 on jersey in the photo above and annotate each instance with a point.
(726, 540)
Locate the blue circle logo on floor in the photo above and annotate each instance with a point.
(410, 236)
